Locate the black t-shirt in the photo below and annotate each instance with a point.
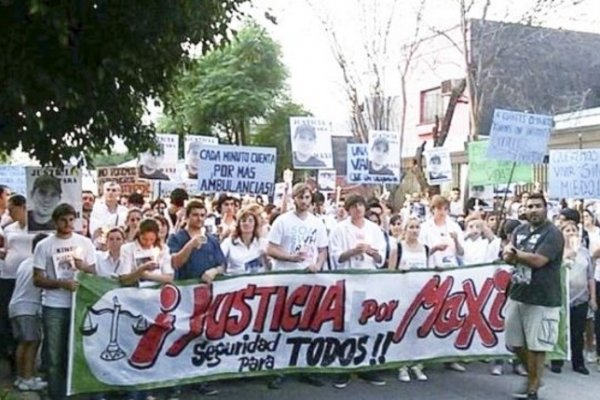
(538, 286)
(311, 162)
(382, 171)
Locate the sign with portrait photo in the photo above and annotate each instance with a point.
(46, 189)
(160, 164)
(439, 166)
(311, 143)
(384, 157)
(326, 180)
(192, 146)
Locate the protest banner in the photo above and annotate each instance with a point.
(384, 156)
(439, 166)
(237, 169)
(357, 163)
(574, 174)
(483, 171)
(162, 163)
(519, 137)
(14, 177)
(311, 143)
(126, 177)
(48, 187)
(326, 180)
(262, 324)
(192, 146)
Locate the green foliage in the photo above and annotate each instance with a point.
(110, 159)
(275, 132)
(76, 74)
(226, 89)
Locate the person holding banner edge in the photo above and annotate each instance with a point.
(532, 311)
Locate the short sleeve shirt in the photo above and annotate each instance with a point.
(201, 260)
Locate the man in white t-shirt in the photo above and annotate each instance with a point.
(56, 260)
(108, 212)
(298, 241)
(357, 243)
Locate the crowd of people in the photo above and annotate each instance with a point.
(134, 240)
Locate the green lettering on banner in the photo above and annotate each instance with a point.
(485, 171)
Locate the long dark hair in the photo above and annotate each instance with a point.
(149, 225)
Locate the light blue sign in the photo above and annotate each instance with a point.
(520, 137)
(14, 177)
(574, 174)
(237, 169)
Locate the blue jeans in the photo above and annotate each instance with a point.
(56, 323)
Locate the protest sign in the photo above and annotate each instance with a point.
(384, 157)
(439, 166)
(574, 174)
(519, 137)
(483, 171)
(311, 143)
(282, 323)
(14, 177)
(47, 188)
(126, 177)
(326, 180)
(192, 146)
(160, 164)
(237, 169)
(358, 163)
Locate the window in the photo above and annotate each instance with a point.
(432, 104)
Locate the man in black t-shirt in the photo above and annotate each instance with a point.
(532, 312)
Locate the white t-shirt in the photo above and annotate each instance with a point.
(432, 235)
(106, 266)
(346, 235)
(412, 258)
(27, 298)
(241, 259)
(133, 255)
(18, 248)
(476, 251)
(54, 256)
(294, 235)
(102, 217)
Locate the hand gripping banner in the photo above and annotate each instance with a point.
(141, 338)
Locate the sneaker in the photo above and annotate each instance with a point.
(205, 389)
(17, 381)
(372, 377)
(557, 369)
(403, 375)
(581, 369)
(342, 381)
(454, 366)
(519, 369)
(27, 385)
(496, 370)
(276, 382)
(417, 371)
(525, 395)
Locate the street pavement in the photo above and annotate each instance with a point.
(476, 383)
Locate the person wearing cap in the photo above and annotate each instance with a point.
(378, 156)
(305, 141)
(45, 196)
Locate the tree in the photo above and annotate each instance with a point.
(77, 74)
(224, 91)
(275, 132)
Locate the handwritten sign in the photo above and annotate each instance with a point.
(237, 169)
(13, 177)
(520, 137)
(126, 177)
(574, 174)
(483, 171)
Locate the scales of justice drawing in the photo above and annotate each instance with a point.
(113, 350)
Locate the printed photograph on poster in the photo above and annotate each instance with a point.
(192, 146)
(46, 189)
(439, 166)
(384, 156)
(311, 143)
(326, 180)
(160, 164)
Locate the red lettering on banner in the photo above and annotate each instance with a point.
(462, 311)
